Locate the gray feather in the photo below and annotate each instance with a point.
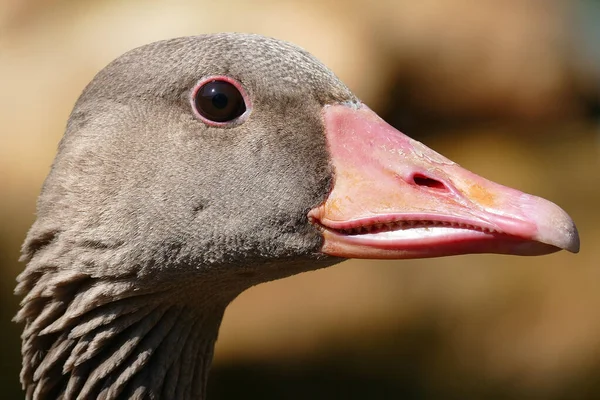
(150, 221)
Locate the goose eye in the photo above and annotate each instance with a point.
(219, 101)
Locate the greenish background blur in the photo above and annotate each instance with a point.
(509, 89)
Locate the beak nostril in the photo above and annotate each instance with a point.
(422, 180)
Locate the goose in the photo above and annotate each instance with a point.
(194, 168)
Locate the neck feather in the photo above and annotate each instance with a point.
(86, 337)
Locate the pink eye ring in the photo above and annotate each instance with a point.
(220, 101)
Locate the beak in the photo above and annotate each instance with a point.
(394, 198)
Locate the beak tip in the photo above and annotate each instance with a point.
(569, 239)
(573, 244)
(555, 227)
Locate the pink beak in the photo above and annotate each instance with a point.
(395, 198)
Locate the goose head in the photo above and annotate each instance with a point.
(194, 168)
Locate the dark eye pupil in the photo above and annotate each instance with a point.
(219, 101)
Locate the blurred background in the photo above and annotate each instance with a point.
(509, 89)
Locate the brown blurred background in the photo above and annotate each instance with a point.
(509, 89)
